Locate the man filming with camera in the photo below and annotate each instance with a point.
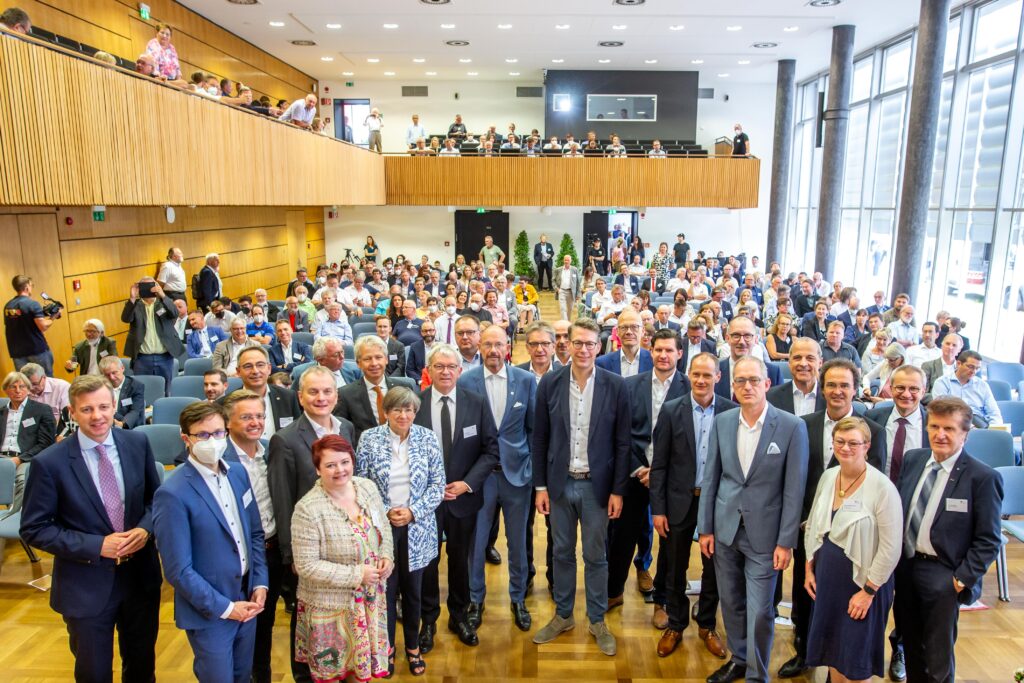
(25, 321)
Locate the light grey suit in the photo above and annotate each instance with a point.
(567, 297)
(933, 371)
(749, 516)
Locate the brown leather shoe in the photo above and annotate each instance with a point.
(669, 642)
(712, 642)
(644, 581)
(660, 618)
(615, 602)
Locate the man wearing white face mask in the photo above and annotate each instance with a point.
(445, 324)
(740, 142)
(220, 582)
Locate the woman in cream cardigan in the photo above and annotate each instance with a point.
(341, 542)
(854, 538)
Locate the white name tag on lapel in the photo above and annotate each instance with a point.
(298, 327)
(103, 354)
(773, 449)
(247, 498)
(29, 422)
(161, 311)
(297, 356)
(285, 421)
(852, 506)
(126, 401)
(956, 505)
(517, 404)
(393, 356)
(469, 431)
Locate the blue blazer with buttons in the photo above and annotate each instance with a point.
(195, 345)
(612, 362)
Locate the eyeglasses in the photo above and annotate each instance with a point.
(580, 344)
(465, 333)
(838, 385)
(445, 368)
(538, 345)
(742, 381)
(260, 417)
(630, 328)
(254, 366)
(204, 436)
(839, 444)
(900, 388)
(737, 336)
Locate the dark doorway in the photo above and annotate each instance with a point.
(349, 116)
(471, 228)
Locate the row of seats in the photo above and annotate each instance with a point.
(69, 44)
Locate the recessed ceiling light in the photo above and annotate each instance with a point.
(513, 73)
(743, 62)
(511, 61)
(603, 61)
(327, 59)
(372, 60)
(431, 73)
(562, 27)
(765, 45)
(333, 27)
(650, 61)
(631, 3)
(435, 2)
(390, 25)
(303, 43)
(277, 24)
(348, 73)
(620, 27)
(696, 61)
(824, 3)
(504, 27)
(620, 99)
(734, 28)
(557, 61)
(456, 43)
(418, 60)
(472, 73)
(676, 27)
(447, 26)
(611, 43)
(723, 75)
(389, 73)
(465, 60)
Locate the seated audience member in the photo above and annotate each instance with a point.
(778, 340)
(418, 351)
(245, 95)
(553, 145)
(615, 149)
(511, 145)
(395, 348)
(336, 325)
(420, 149)
(215, 384)
(329, 352)
(281, 379)
(532, 147)
(919, 354)
(487, 149)
(257, 327)
(219, 316)
(449, 150)
(457, 130)
(816, 326)
(200, 340)
(305, 304)
(47, 390)
(16, 20)
(881, 374)
(296, 318)
(225, 355)
(285, 353)
(301, 112)
(26, 428)
(526, 301)
(87, 354)
(407, 328)
(902, 329)
(356, 296)
(129, 395)
(835, 347)
(656, 151)
(945, 364)
(965, 384)
(270, 310)
(470, 145)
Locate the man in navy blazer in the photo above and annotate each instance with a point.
(648, 391)
(741, 337)
(285, 352)
(510, 395)
(543, 256)
(88, 502)
(581, 441)
(804, 368)
(696, 342)
(624, 280)
(879, 307)
(630, 359)
(129, 395)
(749, 517)
(209, 282)
(211, 544)
(418, 352)
(951, 506)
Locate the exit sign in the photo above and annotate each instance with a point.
(99, 216)
(144, 11)
(349, 84)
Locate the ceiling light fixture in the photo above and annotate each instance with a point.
(611, 43)
(734, 28)
(447, 26)
(743, 62)
(431, 73)
(457, 43)
(504, 27)
(823, 3)
(244, 2)
(765, 45)
(472, 73)
(373, 60)
(513, 73)
(696, 61)
(562, 27)
(630, 3)
(465, 60)
(557, 61)
(303, 43)
(418, 60)
(390, 26)
(723, 75)
(511, 61)
(277, 24)
(327, 59)
(389, 73)
(650, 61)
(435, 2)
(620, 27)
(603, 61)
(677, 27)
(348, 73)
(333, 27)
(790, 29)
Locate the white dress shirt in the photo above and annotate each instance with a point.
(581, 400)
(804, 404)
(691, 352)
(220, 488)
(322, 432)
(924, 541)
(496, 384)
(435, 412)
(747, 437)
(827, 448)
(13, 427)
(444, 328)
(918, 354)
(659, 390)
(565, 281)
(173, 277)
(269, 424)
(913, 437)
(398, 475)
(257, 470)
(630, 368)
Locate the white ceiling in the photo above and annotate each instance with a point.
(534, 41)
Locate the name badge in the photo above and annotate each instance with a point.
(469, 431)
(297, 356)
(393, 356)
(29, 422)
(161, 311)
(247, 498)
(285, 421)
(852, 506)
(103, 354)
(298, 327)
(126, 401)
(956, 505)
(188, 332)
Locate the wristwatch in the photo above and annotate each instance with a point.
(869, 590)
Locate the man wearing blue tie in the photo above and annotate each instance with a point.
(89, 503)
(212, 547)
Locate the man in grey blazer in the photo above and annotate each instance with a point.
(749, 517)
(567, 285)
(945, 364)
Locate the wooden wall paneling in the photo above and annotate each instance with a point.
(11, 264)
(41, 261)
(83, 20)
(296, 227)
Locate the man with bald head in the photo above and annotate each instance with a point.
(741, 336)
(661, 319)
(630, 360)
(945, 364)
(800, 395)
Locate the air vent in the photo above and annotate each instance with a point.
(414, 91)
(611, 43)
(456, 43)
(529, 91)
(303, 43)
(705, 93)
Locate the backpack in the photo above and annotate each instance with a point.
(196, 292)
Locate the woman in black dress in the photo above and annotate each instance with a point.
(817, 327)
(778, 341)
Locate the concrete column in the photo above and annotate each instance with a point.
(833, 162)
(925, 100)
(782, 149)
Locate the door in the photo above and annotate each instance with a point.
(471, 228)
(352, 113)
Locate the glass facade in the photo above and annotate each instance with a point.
(976, 219)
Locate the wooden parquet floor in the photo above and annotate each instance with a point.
(35, 647)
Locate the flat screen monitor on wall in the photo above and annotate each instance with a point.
(622, 108)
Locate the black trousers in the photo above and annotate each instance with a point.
(670, 582)
(134, 611)
(265, 619)
(802, 602)
(624, 535)
(409, 584)
(548, 546)
(543, 268)
(459, 534)
(928, 610)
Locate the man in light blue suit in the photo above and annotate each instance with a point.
(510, 395)
(212, 546)
(749, 519)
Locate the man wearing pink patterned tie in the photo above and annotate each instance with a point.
(445, 323)
(89, 503)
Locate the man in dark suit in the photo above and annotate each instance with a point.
(581, 442)
(151, 355)
(803, 303)
(801, 395)
(301, 280)
(395, 348)
(285, 353)
(290, 472)
(418, 352)
(630, 359)
(951, 506)
(32, 428)
(661, 321)
(741, 336)
(879, 307)
(362, 403)
(696, 342)
(681, 438)
(254, 370)
(212, 547)
(838, 384)
(543, 257)
(945, 364)
(653, 284)
(648, 391)
(718, 295)
(629, 283)
(469, 444)
(89, 503)
(129, 395)
(209, 282)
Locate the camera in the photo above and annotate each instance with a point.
(53, 307)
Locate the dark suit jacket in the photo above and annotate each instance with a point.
(547, 247)
(634, 282)
(164, 315)
(132, 413)
(724, 386)
(80, 352)
(36, 436)
(727, 313)
(609, 442)
(309, 284)
(290, 473)
(674, 467)
(816, 454)
(669, 325)
(284, 405)
(396, 360)
(417, 361)
(301, 353)
(875, 308)
(659, 285)
(354, 403)
(475, 449)
(612, 362)
(640, 388)
(804, 304)
(880, 416)
(781, 397)
(63, 514)
(706, 346)
(965, 542)
(809, 328)
(209, 287)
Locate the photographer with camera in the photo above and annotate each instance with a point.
(25, 321)
(152, 341)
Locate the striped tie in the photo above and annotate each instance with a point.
(108, 490)
(917, 515)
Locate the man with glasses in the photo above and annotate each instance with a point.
(973, 390)
(631, 360)
(581, 443)
(741, 336)
(215, 559)
(540, 344)
(418, 352)
(362, 403)
(749, 518)
(280, 403)
(945, 364)
(49, 391)
(467, 338)
(838, 385)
